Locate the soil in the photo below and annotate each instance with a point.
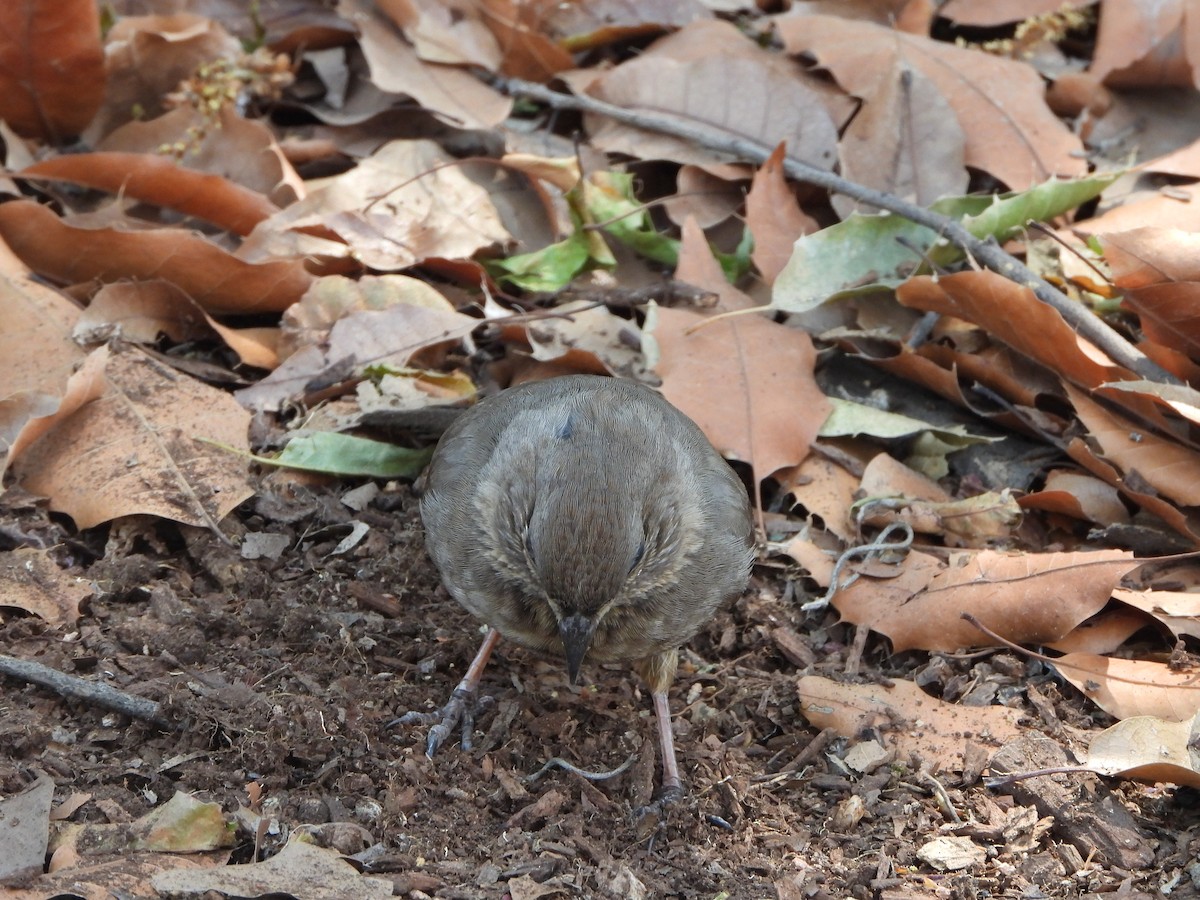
(286, 672)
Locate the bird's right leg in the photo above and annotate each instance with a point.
(460, 708)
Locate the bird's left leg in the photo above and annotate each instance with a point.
(460, 708)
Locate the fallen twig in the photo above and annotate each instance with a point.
(95, 692)
(987, 252)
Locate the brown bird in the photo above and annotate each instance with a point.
(584, 518)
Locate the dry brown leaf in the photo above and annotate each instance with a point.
(1142, 257)
(294, 870)
(452, 93)
(1079, 496)
(825, 490)
(450, 31)
(158, 180)
(1178, 610)
(1012, 314)
(129, 874)
(989, 13)
(906, 719)
(307, 323)
(1008, 129)
(528, 53)
(1186, 525)
(219, 282)
(746, 381)
(1029, 598)
(713, 76)
(408, 202)
(886, 476)
(708, 198)
(589, 337)
(1158, 271)
(579, 26)
(1171, 469)
(32, 581)
(905, 141)
(147, 57)
(37, 354)
(142, 311)
(238, 150)
(388, 337)
(1146, 748)
(138, 449)
(51, 67)
(1132, 687)
(1178, 208)
(1155, 44)
(84, 385)
(1104, 632)
(1183, 163)
(774, 217)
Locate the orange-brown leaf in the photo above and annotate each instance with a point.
(51, 66)
(217, 280)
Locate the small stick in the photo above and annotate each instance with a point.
(95, 692)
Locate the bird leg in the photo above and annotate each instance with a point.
(658, 671)
(460, 708)
(672, 787)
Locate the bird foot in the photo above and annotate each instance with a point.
(459, 711)
(649, 818)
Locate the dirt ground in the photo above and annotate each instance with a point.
(287, 672)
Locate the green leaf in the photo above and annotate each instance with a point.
(869, 253)
(550, 269)
(344, 454)
(849, 419)
(1008, 215)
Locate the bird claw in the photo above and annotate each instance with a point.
(459, 712)
(649, 818)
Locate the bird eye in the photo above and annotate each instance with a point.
(637, 557)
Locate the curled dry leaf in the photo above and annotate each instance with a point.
(241, 151)
(406, 203)
(160, 181)
(590, 338)
(1027, 598)
(1157, 270)
(1012, 314)
(215, 279)
(307, 322)
(906, 140)
(1170, 468)
(1079, 496)
(452, 93)
(906, 719)
(388, 337)
(37, 355)
(147, 57)
(293, 870)
(1146, 748)
(1178, 610)
(142, 311)
(139, 449)
(1105, 632)
(1133, 687)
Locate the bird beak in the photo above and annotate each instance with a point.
(576, 632)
